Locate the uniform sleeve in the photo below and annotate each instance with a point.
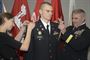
(10, 41)
(80, 43)
(67, 33)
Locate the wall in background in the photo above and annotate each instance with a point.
(84, 4)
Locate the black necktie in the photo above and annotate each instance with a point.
(48, 29)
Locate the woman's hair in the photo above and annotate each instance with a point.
(5, 15)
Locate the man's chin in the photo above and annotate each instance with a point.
(49, 19)
(76, 26)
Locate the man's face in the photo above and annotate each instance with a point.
(77, 19)
(46, 12)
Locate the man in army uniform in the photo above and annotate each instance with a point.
(76, 37)
(44, 36)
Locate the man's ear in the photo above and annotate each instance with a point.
(84, 19)
(40, 11)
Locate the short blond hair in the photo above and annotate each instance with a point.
(44, 3)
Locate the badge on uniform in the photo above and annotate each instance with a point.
(39, 33)
(78, 33)
(39, 36)
(55, 33)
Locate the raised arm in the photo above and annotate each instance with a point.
(25, 44)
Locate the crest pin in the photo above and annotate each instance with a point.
(39, 32)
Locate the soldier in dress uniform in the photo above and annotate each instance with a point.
(76, 37)
(44, 36)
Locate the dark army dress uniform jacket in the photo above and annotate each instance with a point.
(77, 47)
(43, 45)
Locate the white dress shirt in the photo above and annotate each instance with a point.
(45, 25)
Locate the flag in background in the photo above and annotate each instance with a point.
(21, 12)
(35, 15)
(0, 6)
(57, 13)
(71, 8)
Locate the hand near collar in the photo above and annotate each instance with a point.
(61, 26)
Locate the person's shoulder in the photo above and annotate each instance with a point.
(3, 34)
(37, 24)
(69, 27)
(54, 24)
(88, 29)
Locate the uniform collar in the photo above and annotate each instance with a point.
(45, 24)
(83, 26)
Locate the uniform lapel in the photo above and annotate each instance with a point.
(41, 26)
(51, 33)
